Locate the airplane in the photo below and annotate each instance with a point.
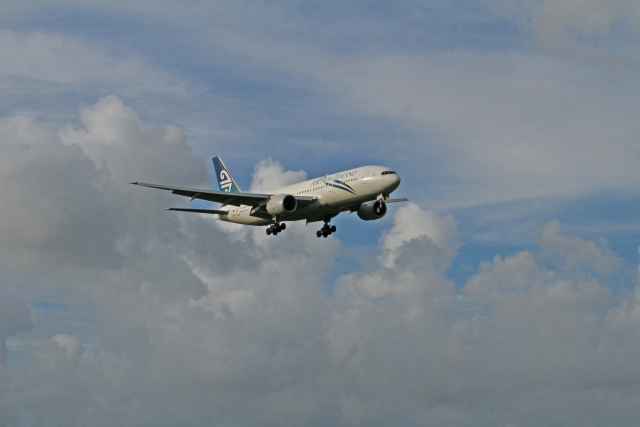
(364, 190)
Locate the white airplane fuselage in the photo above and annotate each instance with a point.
(335, 193)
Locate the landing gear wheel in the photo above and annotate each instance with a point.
(276, 228)
(326, 230)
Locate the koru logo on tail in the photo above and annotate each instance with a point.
(225, 181)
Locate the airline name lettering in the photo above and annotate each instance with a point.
(342, 175)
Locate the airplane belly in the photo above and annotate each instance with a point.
(243, 216)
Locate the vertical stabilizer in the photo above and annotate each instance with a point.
(225, 180)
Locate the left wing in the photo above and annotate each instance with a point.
(224, 197)
(204, 211)
(257, 200)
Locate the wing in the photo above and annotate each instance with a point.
(224, 197)
(257, 200)
(205, 211)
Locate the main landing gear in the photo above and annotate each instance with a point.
(276, 228)
(326, 230)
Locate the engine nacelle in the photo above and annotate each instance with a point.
(281, 204)
(372, 210)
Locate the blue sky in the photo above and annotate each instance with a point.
(504, 293)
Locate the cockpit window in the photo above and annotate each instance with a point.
(389, 173)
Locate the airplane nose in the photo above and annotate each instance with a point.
(395, 181)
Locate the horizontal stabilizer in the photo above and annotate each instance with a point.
(205, 211)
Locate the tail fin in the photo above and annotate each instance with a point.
(225, 181)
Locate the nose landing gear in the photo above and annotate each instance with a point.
(276, 228)
(326, 230)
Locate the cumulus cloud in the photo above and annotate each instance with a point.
(269, 175)
(517, 331)
(412, 223)
(150, 267)
(65, 190)
(577, 253)
(44, 181)
(174, 319)
(193, 323)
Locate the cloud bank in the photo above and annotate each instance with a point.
(193, 323)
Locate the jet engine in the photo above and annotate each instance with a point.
(372, 210)
(281, 204)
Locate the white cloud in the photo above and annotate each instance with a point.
(504, 126)
(44, 181)
(269, 175)
(508, 126)
(412, 223)
(174, 320)
(541, 331)
(74, 62)
(196, 324)
(67, 189)
(577, 253)
(46, 74)
(589, 29)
